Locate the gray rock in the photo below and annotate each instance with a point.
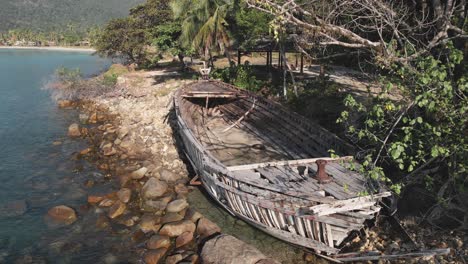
(153, 188)
(227, 249)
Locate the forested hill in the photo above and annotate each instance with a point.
(58, 14)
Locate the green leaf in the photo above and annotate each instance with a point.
(435, 151)
(395, 153)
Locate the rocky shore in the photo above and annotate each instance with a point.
(131, 134)
(132, 139)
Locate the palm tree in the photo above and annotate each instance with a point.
(204, 25)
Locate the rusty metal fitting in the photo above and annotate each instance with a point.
(322, 176)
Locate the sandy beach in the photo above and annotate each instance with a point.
(74, 49)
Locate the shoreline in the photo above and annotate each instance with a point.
(131, 140)
(74, 49)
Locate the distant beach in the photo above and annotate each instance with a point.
(75, 49)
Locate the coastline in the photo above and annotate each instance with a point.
(73, 49)
(130, 130)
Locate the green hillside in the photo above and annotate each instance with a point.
(58, 14)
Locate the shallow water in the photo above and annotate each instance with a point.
(34, 171)
(268, 245)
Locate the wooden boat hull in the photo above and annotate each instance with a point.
(298, 210)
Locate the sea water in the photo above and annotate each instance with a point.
(37, 170)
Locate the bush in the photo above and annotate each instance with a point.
(241, 76)
(110, 77)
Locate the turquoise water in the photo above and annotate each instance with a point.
(36, 174)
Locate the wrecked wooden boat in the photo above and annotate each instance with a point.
(271, 167)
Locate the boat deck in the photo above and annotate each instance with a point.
(301, 178)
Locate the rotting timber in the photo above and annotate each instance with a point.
(269, 166)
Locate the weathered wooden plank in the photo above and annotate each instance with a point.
(273, 132)
(346, 205)
(303, 141)
(284, 163)
(255, 131)
(403, 255)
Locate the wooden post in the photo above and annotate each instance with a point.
(279, 60)
(302, 63)
(267, 59)
(296, 61)
(239, 54)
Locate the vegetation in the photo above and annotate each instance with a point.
(241, 76)
(416, 137)
(179, 28)
(66, 37)
(56, 15)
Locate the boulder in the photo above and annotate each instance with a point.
(14, 208)
(117, 210)
(93, 119)
(153, 256)
(174, 259)
(156, 206)
(177, 206)
(175, 229)
(181, 189)
(74, 130)
(106, 202)
(65, 103)
(184, 239)
(158, 241)
(150, 223)
(102, 221)
(124, 195)
(62, 214)
(171, 217)
(226, 249)
(192, 215)
(94, 199)
(153, 188)
(168, 176)
(206, 228)
(138, 174)
(86, 151)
